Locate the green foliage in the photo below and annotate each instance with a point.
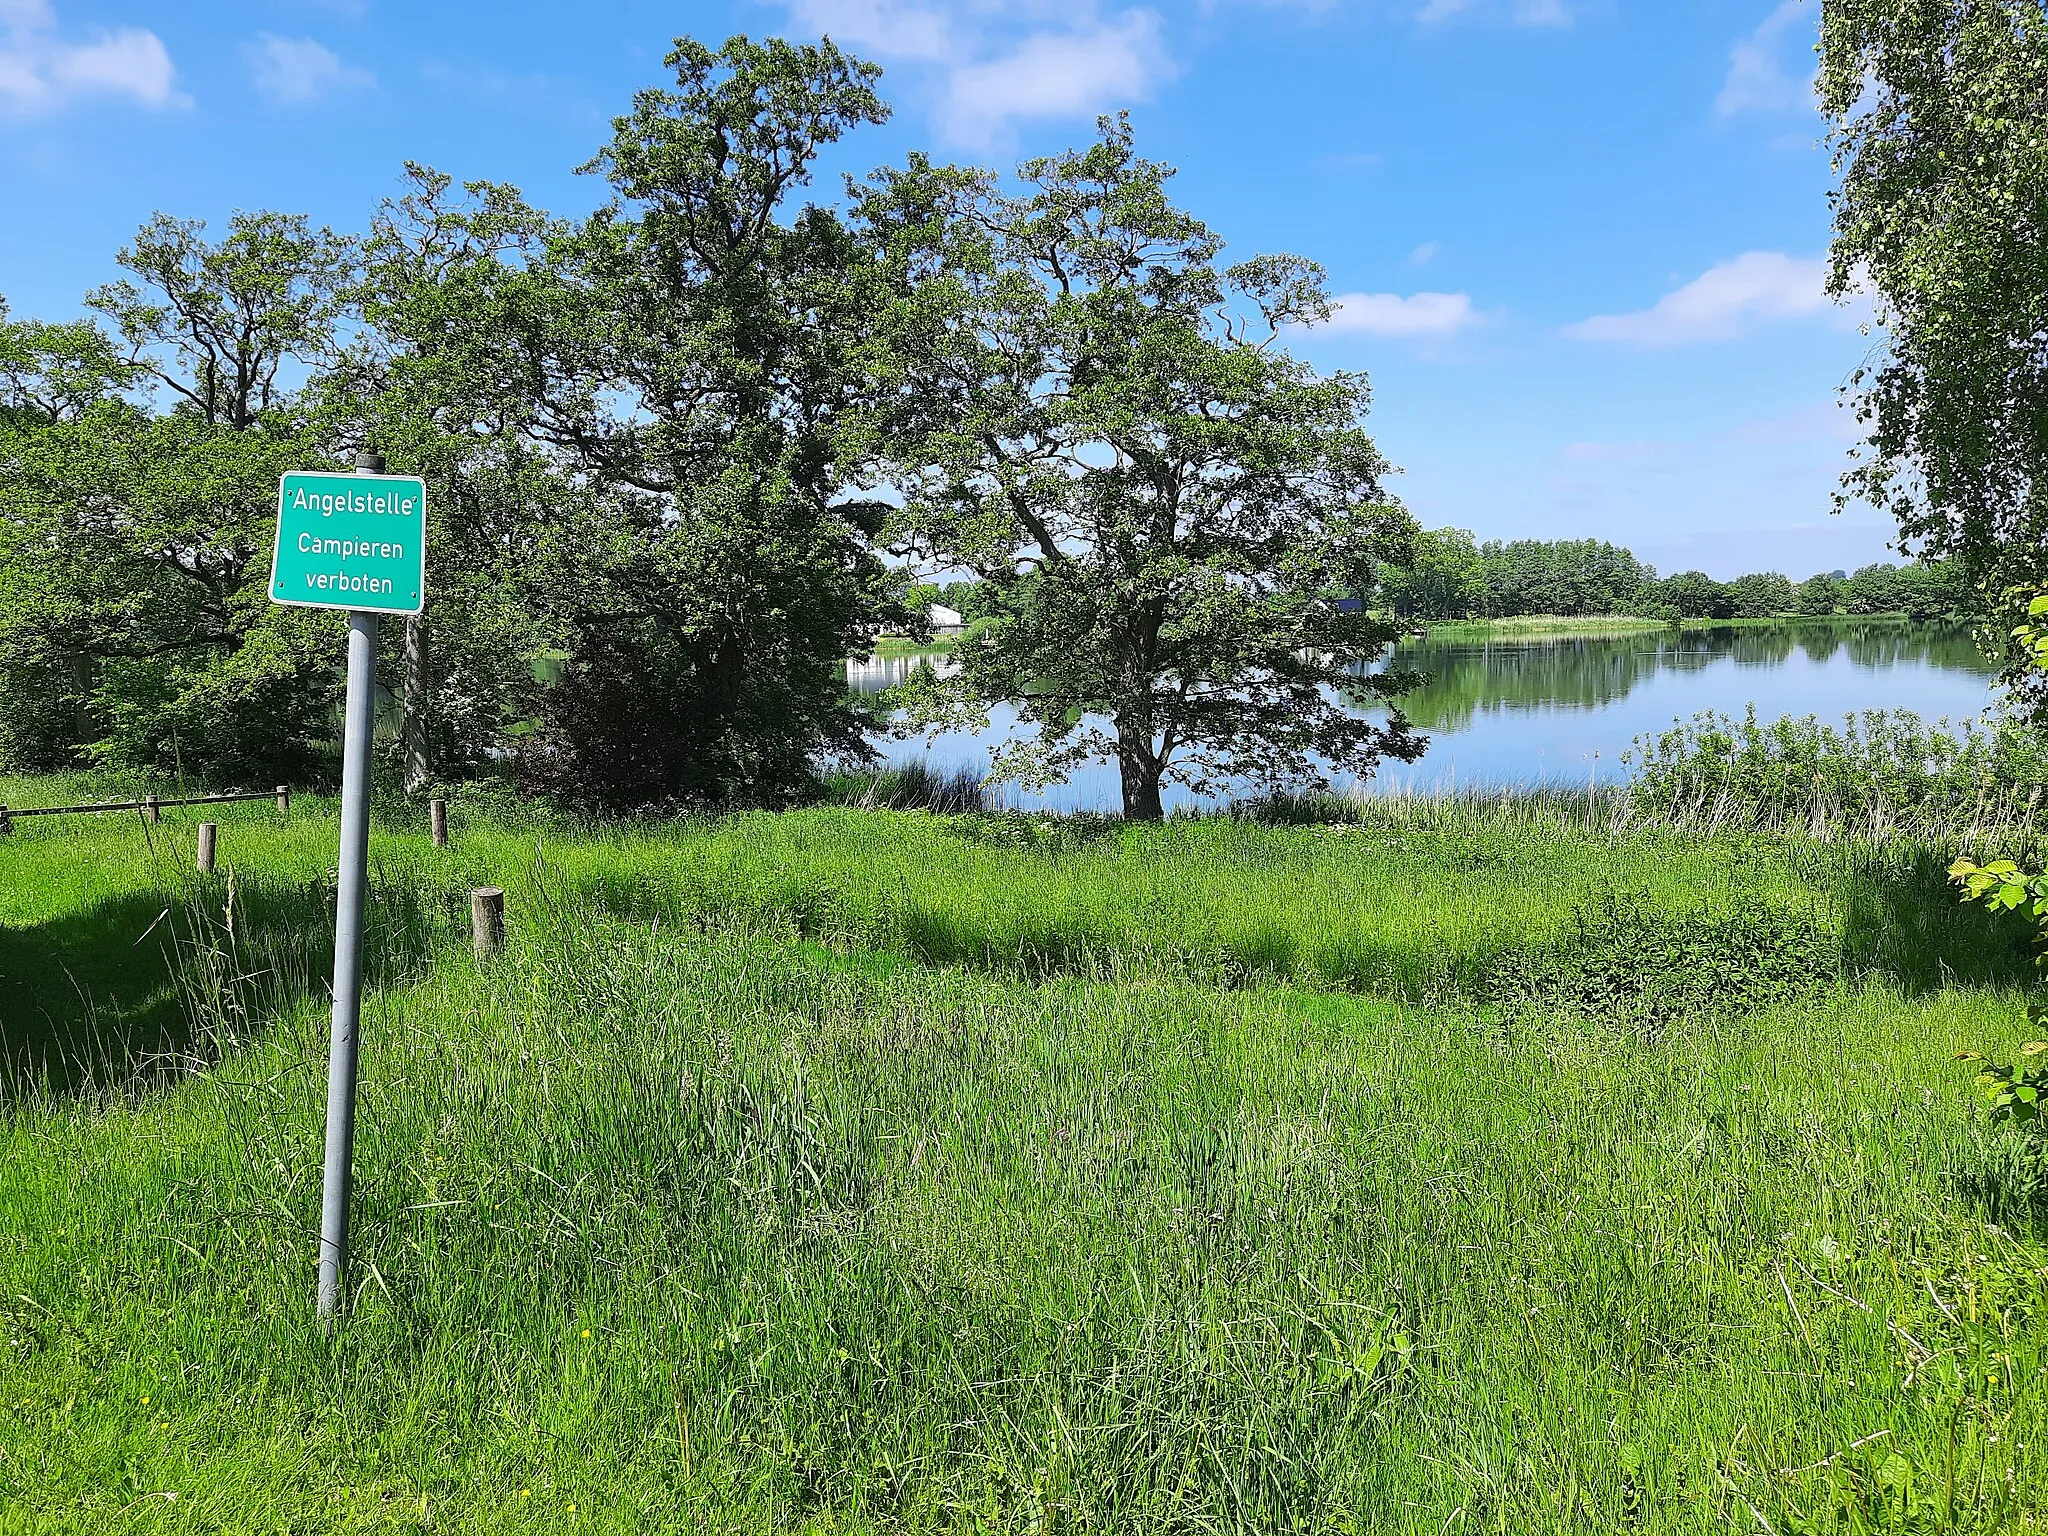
(1444, 577)
(2012, 1174)
(1940, 136)
(1761, 595)
(2013, 1091)
(1626, 966)
(434, 380)
(648, 715)
(637, 432)
(2007, 1168)
(1696, 595)
(1877, 770)
(134, 541)
(1562, 576)
(1820, 595)
(1176, 525)
(705, 353)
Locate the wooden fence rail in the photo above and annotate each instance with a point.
(150, 805)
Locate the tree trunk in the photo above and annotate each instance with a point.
(418, 762)
(1140, 772)
(81, 698)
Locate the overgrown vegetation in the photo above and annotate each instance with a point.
(862, 1170)
(1880, 771)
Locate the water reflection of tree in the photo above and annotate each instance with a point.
(1465, 679)
(1820, 641)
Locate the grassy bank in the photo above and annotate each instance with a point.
(897, 645)
(850, 1171)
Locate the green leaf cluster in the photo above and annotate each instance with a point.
(2014, 1090)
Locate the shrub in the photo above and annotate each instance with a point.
(1882, 769)
(651, 715)
(1626, 966)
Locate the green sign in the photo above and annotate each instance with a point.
(351, 541)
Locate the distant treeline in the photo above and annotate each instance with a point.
(1451, 576)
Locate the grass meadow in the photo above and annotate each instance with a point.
(1509, 1165)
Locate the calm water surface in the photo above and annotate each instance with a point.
(1511, 712)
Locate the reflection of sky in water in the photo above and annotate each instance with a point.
(1509, 712)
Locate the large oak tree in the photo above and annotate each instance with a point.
(1177, 525)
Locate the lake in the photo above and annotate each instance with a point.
(1504, 713)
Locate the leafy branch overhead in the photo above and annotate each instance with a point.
(1940, 138)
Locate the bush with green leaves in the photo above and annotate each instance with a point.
(1880, 770)
(1628, 966)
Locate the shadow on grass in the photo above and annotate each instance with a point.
(83, 991)
(141, 987)
(1903, 918)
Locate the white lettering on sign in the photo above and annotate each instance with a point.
(348, 549)
(326, 504)
(327, 581)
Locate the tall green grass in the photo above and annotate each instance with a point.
(1417, 899)
(861, 1171)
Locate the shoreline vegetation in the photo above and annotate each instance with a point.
(849, 1170)
(1543, 625)
(1565, 626)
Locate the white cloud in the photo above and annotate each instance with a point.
(293, 71)
(1425, 253)
(999, 62)
(1056, 74)
(886, 27)
(42, 72)
(1758, 79)
(1721, 302)
(1389, 314)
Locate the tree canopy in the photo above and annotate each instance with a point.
(1940, 136)
(1177, 526)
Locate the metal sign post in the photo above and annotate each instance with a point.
(342, 544)
(345, 1034)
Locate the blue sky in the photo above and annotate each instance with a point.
(1579, 240)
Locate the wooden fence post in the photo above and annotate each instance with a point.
(209, 834)
(437, 818)
(6, 822)
(486, 921)
(284, 797)
(150, 812)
